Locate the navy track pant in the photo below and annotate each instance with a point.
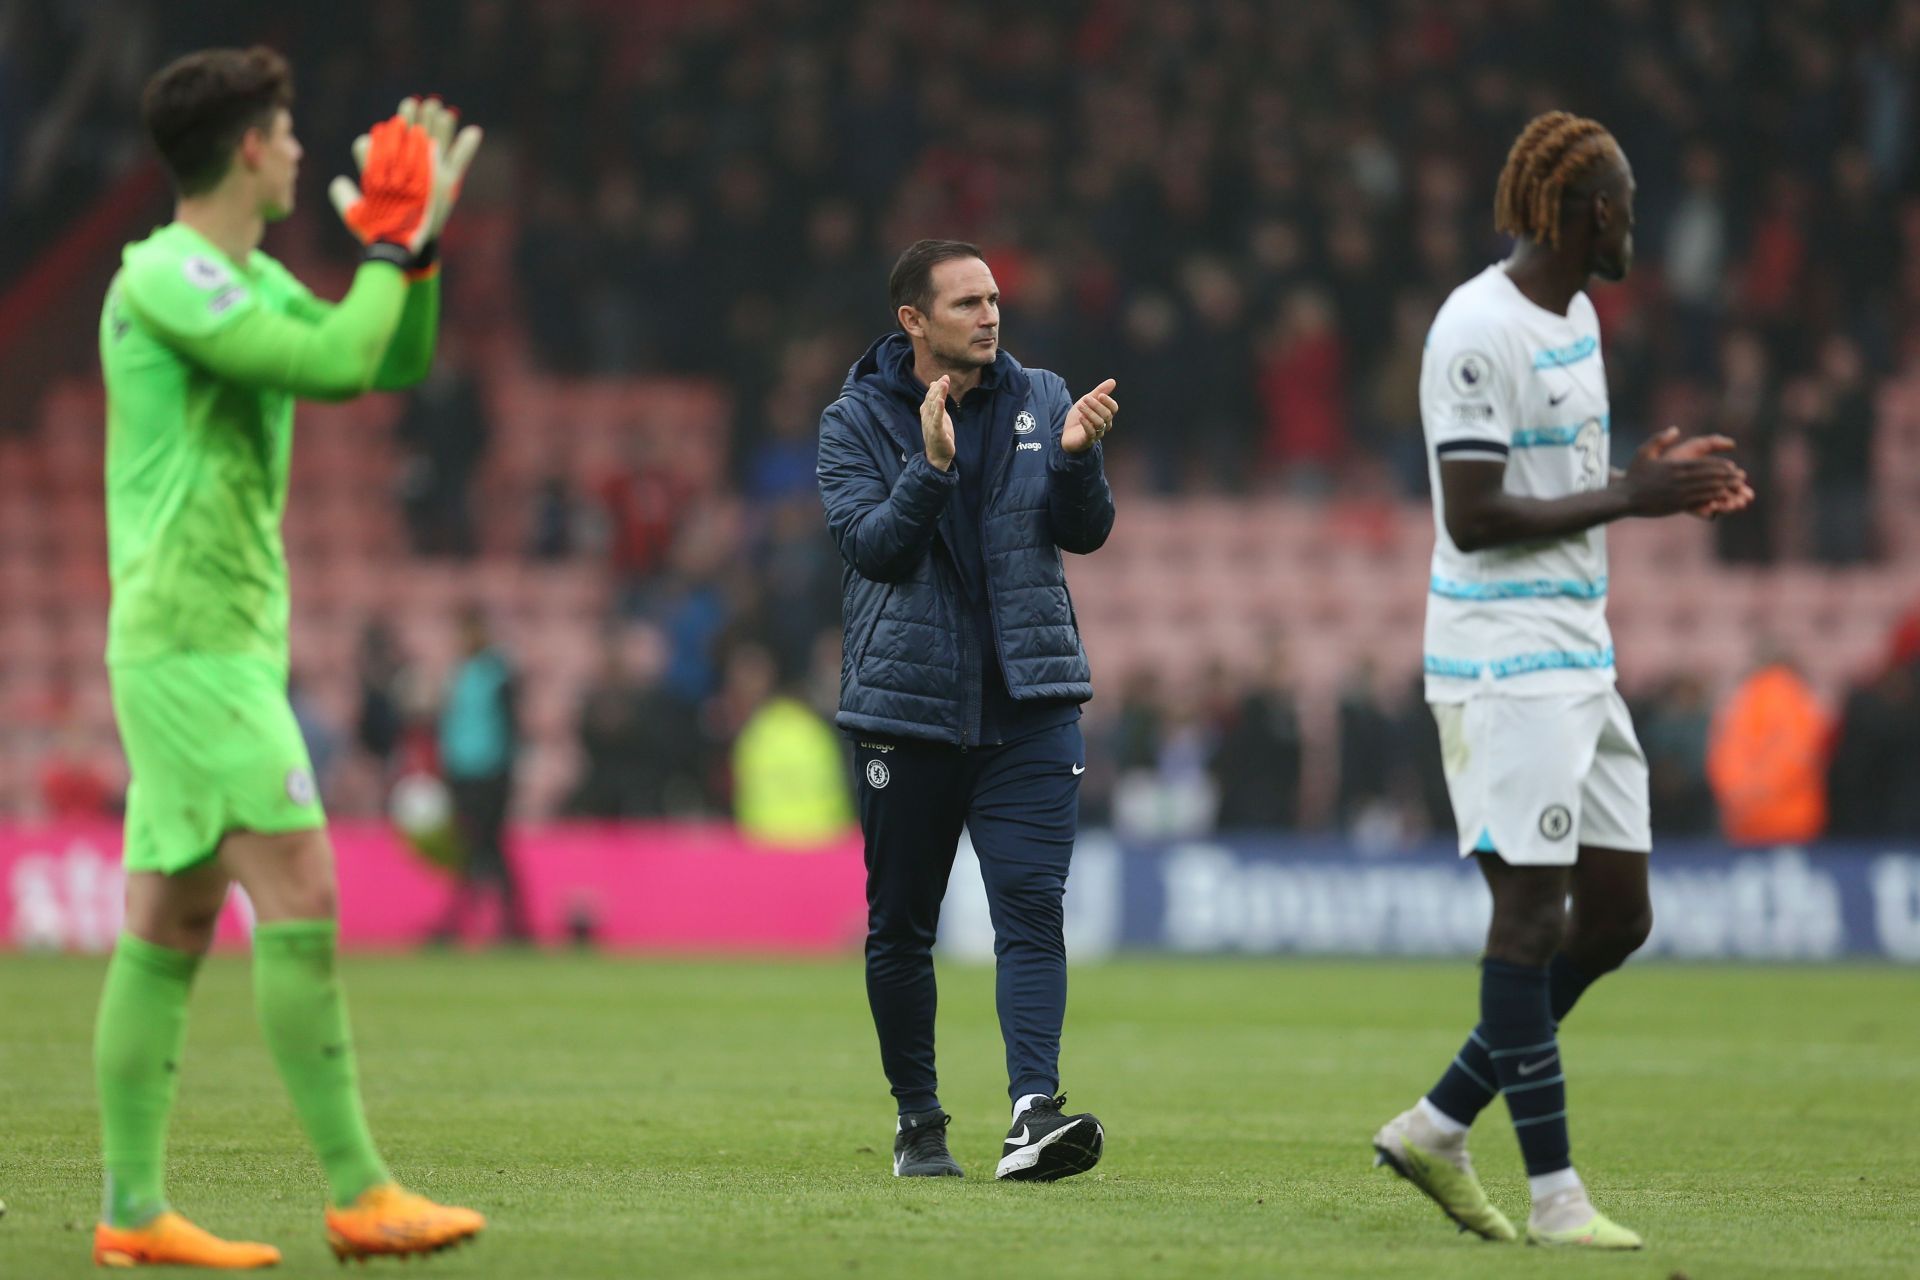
(1020, 802)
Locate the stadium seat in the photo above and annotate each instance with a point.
(1182, 584)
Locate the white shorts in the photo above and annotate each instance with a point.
(1533, 779)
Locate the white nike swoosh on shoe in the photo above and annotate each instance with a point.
(1028, 1156)
(1020, 1141)
(1528, 1068)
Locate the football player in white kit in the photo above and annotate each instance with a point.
(1548, 782)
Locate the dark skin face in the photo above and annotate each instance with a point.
(1610, 219)
(1596, 239)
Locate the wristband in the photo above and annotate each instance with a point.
(387, 251)
(425, 263)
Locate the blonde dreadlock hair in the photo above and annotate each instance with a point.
(1555, 152)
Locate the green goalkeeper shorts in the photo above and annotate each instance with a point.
(212, 747)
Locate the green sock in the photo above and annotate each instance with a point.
(304, 1015)
(137, 1041)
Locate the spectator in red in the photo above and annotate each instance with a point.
(1876, 753)
(1302, 386)
(72, 786)
(643, 501)
(1770, 279)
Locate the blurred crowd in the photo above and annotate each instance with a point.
(660, 738)
(1247, 212)
(1770, 762)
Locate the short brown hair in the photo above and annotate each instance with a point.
(910, 284)
(199, 106)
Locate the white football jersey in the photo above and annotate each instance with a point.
(1504, 380)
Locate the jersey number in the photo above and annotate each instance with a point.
(1590, 454)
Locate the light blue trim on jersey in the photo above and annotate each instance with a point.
(1485, 845)
(1537, 437)
(1540, 437)
(1519, 588)
(1521, 664)
(1561, 357)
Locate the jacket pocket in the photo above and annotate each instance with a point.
(873, 624)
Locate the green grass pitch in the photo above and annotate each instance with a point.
(663, 1118)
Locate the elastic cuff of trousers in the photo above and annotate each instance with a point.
(156, 959)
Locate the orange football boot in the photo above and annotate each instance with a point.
(171, 1241)
(390, 1220)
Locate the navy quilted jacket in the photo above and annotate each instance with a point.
(910, 666)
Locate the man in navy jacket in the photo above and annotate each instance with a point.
(953, 479)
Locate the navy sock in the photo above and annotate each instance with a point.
(1469, 1082)
(1516, 1020)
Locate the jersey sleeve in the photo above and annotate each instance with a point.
(191, 296)
(1466, 395)
(299, 301)
(409, 355)
(332, 358)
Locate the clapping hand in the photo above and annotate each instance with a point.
(936, 426)
(1738, 495)
(1090, 418)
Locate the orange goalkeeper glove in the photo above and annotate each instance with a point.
(453, 150)
(391, 210)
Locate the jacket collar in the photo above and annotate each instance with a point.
(883, 377)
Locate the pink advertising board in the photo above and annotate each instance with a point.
(672, 887)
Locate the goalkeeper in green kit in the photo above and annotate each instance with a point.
(205, 343)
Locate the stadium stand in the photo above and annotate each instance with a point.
(654, 311)
(1184, 584)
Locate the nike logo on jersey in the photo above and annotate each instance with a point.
(1079, 769)
(1528, 1068)
(1021, 1139)
(1553, 400)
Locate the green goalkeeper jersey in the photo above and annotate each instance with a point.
(203, 358)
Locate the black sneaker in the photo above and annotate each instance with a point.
(920, 1147)
(1043, 1145)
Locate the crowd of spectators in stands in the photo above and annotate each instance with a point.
(1772, 764)
(1250, 210)
(1247, 212)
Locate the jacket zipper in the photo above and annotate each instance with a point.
(998, 476)
(969, 661)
